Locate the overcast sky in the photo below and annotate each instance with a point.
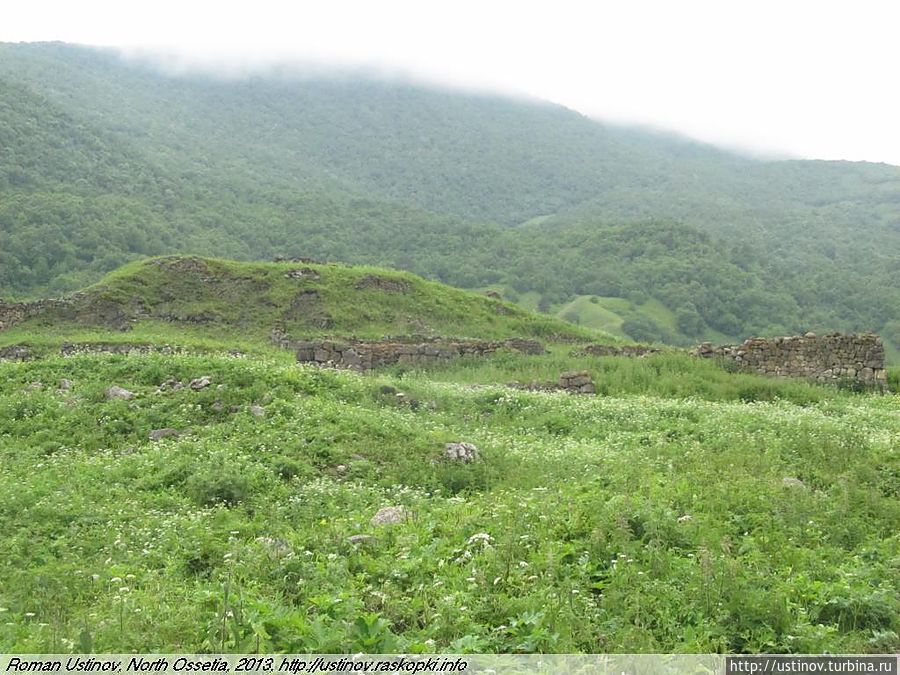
(787, 77)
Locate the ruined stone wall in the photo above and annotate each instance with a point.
(12, 313)
(572, 382)
(638, 351)
(364, 355)
(828, 358)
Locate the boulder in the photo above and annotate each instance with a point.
(461, 452)
(118, 392)
(391, 515)
(200, 383)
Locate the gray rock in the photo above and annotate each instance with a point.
(791, 482)
(65, 385)
(118, 392)
(159, 434)
(461, 452)
(35, 386)
(169, 385)
(257, 411)
(391, 515)
(200, 383)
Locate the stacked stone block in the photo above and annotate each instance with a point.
(833, 357)
(365, 355)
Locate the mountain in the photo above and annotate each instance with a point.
(107, 159)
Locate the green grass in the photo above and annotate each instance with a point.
(597, 314)
(670, 374)
(643, 520)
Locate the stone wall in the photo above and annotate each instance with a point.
(16, 353)
(363, 355)
(12, 313)
(124, 348)
(833, 357)
(613, 350)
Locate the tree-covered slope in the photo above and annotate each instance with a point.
(472, 190)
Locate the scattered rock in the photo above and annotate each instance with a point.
(200, 383)
(218, 406)
(461, 452)
(391, 515)
(118, 392)
(169, 385)
(65, 385)
(685, 518)
(341, 468)
(257, 411)
(159, 434)
(35, 386)
(791, 482)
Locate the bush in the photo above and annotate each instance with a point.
(212, 487)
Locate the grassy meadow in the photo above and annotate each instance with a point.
(682, 509)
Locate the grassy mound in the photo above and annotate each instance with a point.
(194, 298)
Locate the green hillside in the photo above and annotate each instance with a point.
(106, 160)
(194, 298)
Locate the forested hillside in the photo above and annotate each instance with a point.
(104, 160)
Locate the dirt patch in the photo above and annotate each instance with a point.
(384, 284)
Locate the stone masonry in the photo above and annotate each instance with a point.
(364, 355)
(833, 357)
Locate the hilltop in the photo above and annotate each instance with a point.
(107, 160)
(203, 298)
